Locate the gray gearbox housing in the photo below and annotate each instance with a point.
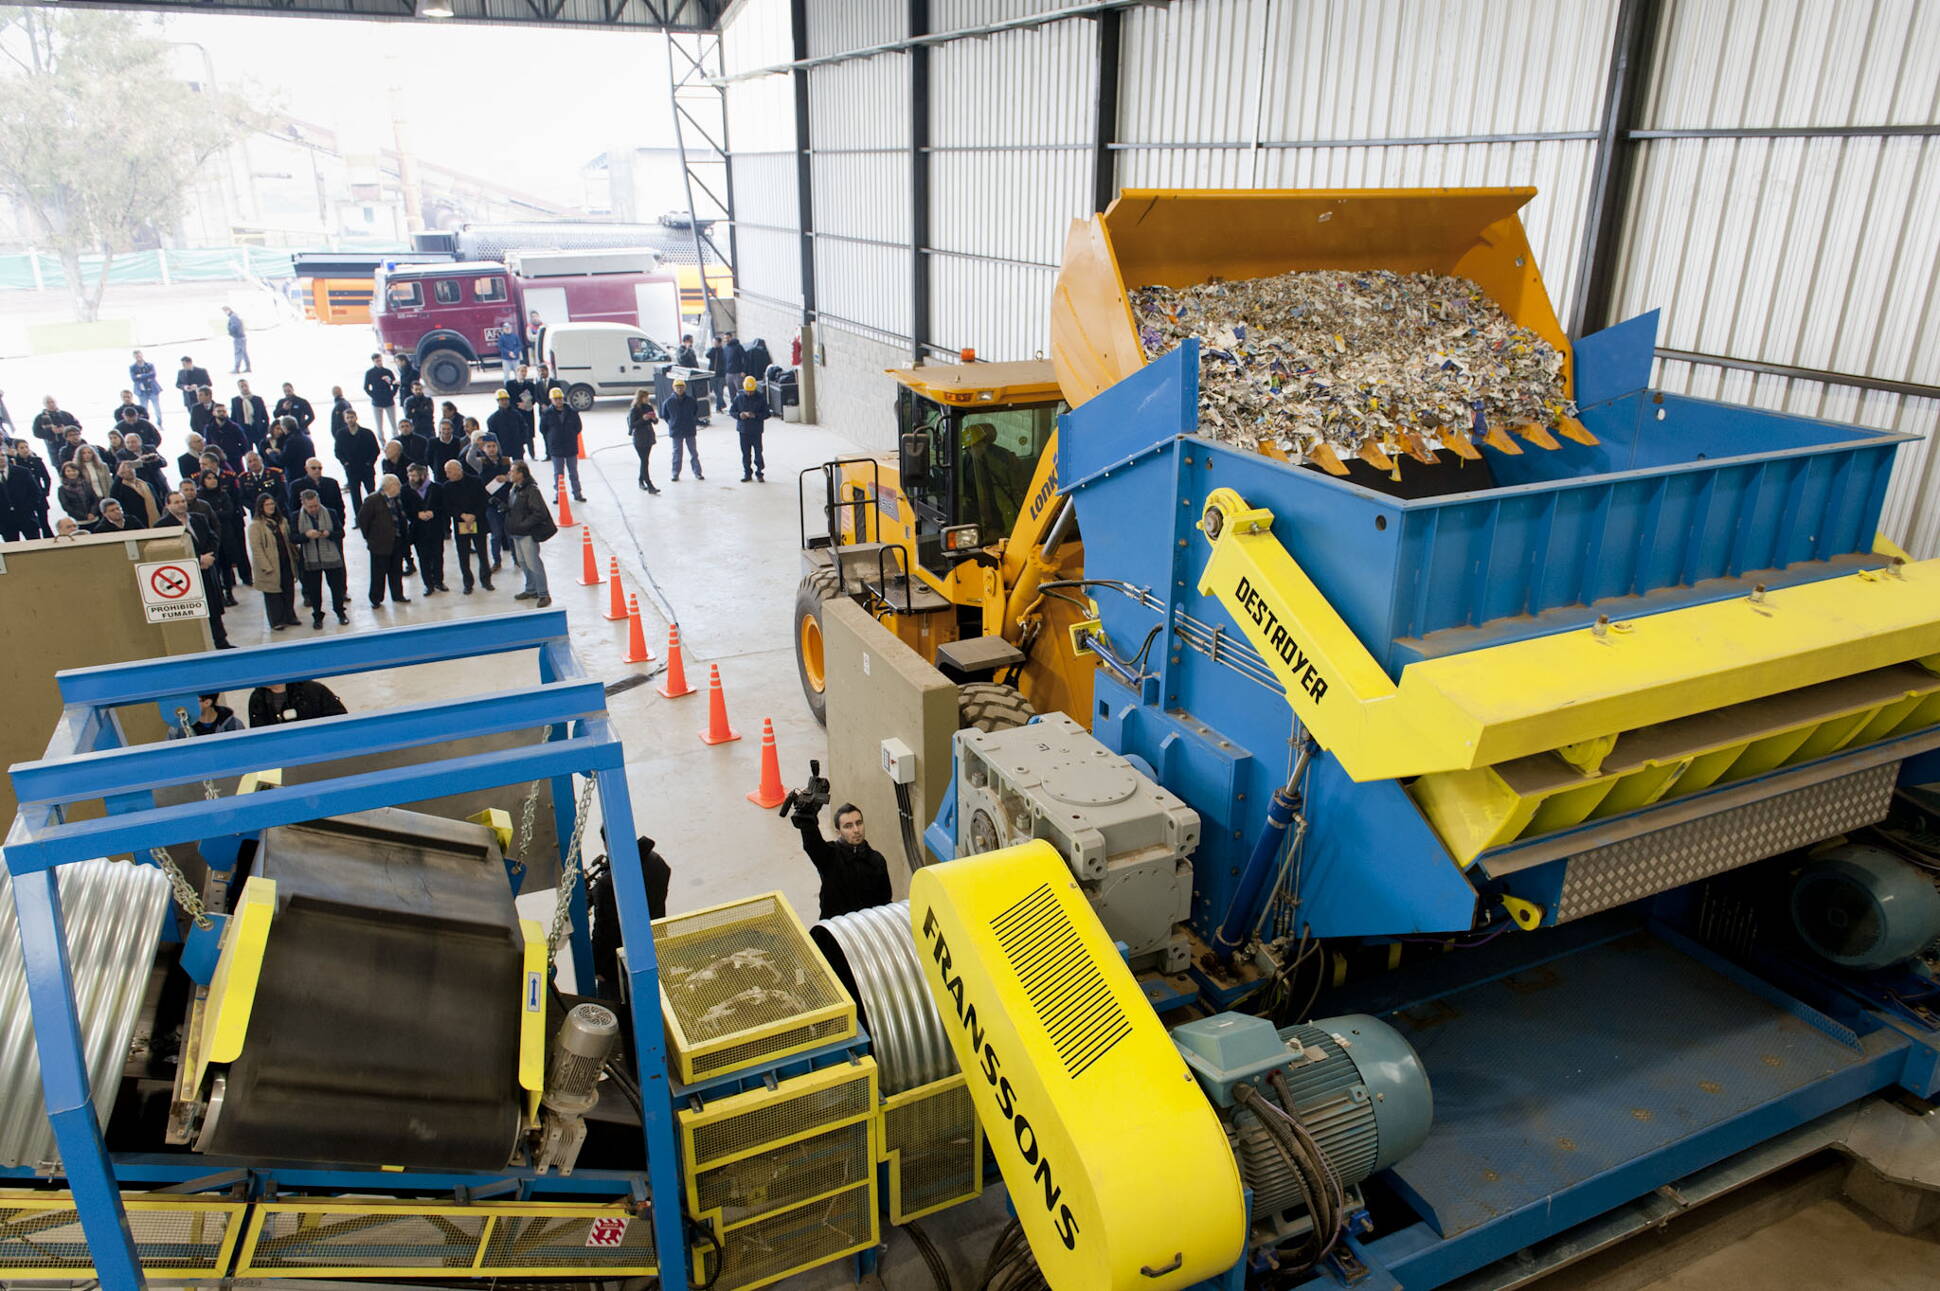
(1127, 839)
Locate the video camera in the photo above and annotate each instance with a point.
(809, 800)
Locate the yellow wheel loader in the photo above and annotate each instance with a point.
(959, 542)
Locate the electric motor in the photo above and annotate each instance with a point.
(1864, 908)
(1355, 1085)
(579, 1051)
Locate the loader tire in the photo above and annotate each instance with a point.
(988, 706)
(817, 585)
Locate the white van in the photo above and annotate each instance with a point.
(596, 359)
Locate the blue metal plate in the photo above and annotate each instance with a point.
(1547, 1078)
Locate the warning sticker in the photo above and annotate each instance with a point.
(171, 589)
(609, 1230)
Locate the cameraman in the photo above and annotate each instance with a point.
(854, 875)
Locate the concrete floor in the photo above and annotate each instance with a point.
(723, 557)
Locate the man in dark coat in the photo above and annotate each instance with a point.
(750, 413)
(559, 426)
(132, 420)
(512, 428)
(23, 502)
(685, 356)
(226, 435)
(295, 405)
(755, 361)
(447, 447)
(386, 527)
(680, 413)
(50, 425)
(208, 546)
(202, 411)
(424, 502)
(250, 412)
(292, 701)
(733, 359)
(854, 874)
(318, 533)
(419, 410)
(380, 386)
(358, 450)
(297, 450)
(114, 519)
(716, 363)
(466, 505)
(328, 491)
(190, 380)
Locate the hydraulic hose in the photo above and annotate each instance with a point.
(1259, 866)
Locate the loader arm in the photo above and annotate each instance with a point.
(1570, 693)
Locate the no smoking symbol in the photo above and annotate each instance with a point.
(170, 582)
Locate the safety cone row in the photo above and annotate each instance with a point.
(769, 794)
(616, 602)
(676, 683)
(718, 731)
(636, 634)
(589, 566)
(565, 507)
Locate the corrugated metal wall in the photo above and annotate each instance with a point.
(761, 131)
(1810, 252)
(1814, 251)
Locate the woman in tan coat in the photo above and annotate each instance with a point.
(273, 561)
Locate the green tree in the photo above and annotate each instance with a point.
(99, 143)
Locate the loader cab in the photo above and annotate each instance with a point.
(969, 441)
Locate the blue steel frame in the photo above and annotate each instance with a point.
(89, 758)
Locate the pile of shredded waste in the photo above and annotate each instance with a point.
(1327, 365)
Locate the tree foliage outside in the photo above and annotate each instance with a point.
(99, 143)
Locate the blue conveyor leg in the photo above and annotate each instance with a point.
(64, 1080)
(649, 1041)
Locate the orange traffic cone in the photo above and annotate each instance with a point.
(676, 684)
(718, 731)
(770, 793)
(565, 508)
(636, 635)
(589, 567)
(582, 446)
(616, 606)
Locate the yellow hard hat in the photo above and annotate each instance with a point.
(680, 385)
(977, 432)
(749, 383)
(505, 394)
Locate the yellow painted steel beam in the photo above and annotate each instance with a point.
(232, 991)
(532, 1017)
(1488, 706)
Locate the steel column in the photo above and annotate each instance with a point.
(919, 182)
(804, 162)
(1104, 165)
(1631, 58)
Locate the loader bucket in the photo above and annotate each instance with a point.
(1171, 238)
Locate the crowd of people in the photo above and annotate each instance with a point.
(265, 509)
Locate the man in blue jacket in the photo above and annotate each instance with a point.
(750, 413)
(680, 413)
(148, 386)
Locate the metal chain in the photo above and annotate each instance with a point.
(569, 871)
(185, 894)
(209, 789)
(527, 814)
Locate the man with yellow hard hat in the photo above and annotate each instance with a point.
(750, 413)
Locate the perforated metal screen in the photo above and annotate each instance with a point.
(744, 985)
(40, 1236)
(934, 1147)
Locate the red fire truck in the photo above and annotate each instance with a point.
(449, 316)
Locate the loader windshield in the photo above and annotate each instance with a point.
(997, 452)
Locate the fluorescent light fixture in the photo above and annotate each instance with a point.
(434, 8)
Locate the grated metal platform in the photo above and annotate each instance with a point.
(1548, 1077)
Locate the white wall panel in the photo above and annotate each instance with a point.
(770, 263)
(954, 15)
(1815, 253)
(1002, 311)
(1724, 64)
(837, 26)
(764, 189)
(860, 104)
(863, 287)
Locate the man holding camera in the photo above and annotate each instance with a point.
(854, 874)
